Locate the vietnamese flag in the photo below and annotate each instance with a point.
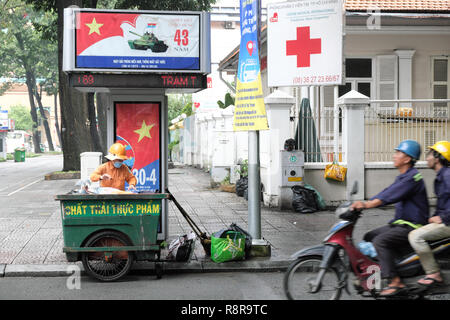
(93, 27)
(137, 127)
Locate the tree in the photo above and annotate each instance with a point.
(77, 109)
(22, 117)
(22, 51)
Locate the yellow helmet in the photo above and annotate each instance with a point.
(117, 151)
(443, 148)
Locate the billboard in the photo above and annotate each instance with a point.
(304, 43)
(250, 111)
(136, 41)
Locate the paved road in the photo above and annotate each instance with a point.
(29, 217)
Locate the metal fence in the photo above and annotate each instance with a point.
(387, 122)
(318, 131)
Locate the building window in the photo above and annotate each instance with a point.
(440, 85)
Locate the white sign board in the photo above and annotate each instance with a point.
(304, 43)
(136, 41)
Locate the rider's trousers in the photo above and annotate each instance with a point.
(388, 240)
(418, 240)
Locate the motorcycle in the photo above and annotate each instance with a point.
(322, 271)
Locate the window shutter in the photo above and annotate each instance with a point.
(387, 80)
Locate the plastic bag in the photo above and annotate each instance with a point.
(335, 171)
(227, 245)
(367, 249)
(248, 238)
(303, 200)
(182, 248)
(320, 203)
(241, 186)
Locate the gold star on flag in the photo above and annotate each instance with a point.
(94, 27)
(144, 131)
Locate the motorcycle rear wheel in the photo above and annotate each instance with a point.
(301, 273)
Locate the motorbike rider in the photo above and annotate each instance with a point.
(411, 211)
(114, 173)
(438, 159)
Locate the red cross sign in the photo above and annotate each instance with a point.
(303, 47)
(305, 43)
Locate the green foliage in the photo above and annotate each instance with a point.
(243, 171)
(178, 105)
(22, 117)
(171, 5)
(229, 101)
(172, 144)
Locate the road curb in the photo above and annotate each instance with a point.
(168, 267)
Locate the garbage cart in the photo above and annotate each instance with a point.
(108, 232)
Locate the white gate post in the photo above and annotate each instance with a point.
(353, 104)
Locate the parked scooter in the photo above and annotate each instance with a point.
(322, 271)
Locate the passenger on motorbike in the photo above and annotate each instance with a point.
(438, 159)
(411, 211)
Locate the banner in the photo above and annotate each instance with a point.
(112, 40)
(250, 111)
(137, 127)
(304, 43)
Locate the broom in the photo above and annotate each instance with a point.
(204, 239)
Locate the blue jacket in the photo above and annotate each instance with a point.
(442, 191)
(410, 196)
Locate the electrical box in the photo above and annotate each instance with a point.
(292, 168)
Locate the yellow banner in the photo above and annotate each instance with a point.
(250, 111)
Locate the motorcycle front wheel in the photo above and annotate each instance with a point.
(302, 273)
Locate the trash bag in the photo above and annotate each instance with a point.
(321, 205)
(241, 186)
(303, 200)
(227, 245)
(182, 248)
(248, 238)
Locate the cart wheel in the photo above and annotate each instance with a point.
(107, 266)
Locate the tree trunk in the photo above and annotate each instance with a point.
(33, 112)
(58, 131)
(93, 123)
(30, 87)
(73, 104)
(102, 102)
(48, 134)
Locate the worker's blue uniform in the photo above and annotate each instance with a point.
(411, 211)
(442, 191)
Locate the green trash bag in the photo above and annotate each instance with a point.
(227, 245)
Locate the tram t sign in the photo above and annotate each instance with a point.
(304, 43)
(136, 41)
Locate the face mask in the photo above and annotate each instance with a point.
(118, 164)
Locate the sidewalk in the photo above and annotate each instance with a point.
(31, 245)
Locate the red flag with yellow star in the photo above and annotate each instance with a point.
(93, 27)
(137, 127)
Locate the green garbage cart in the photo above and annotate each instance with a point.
(108, 232)
(19, 155)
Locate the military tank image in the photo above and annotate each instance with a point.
(147, 41)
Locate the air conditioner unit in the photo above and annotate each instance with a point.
(230, 24)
